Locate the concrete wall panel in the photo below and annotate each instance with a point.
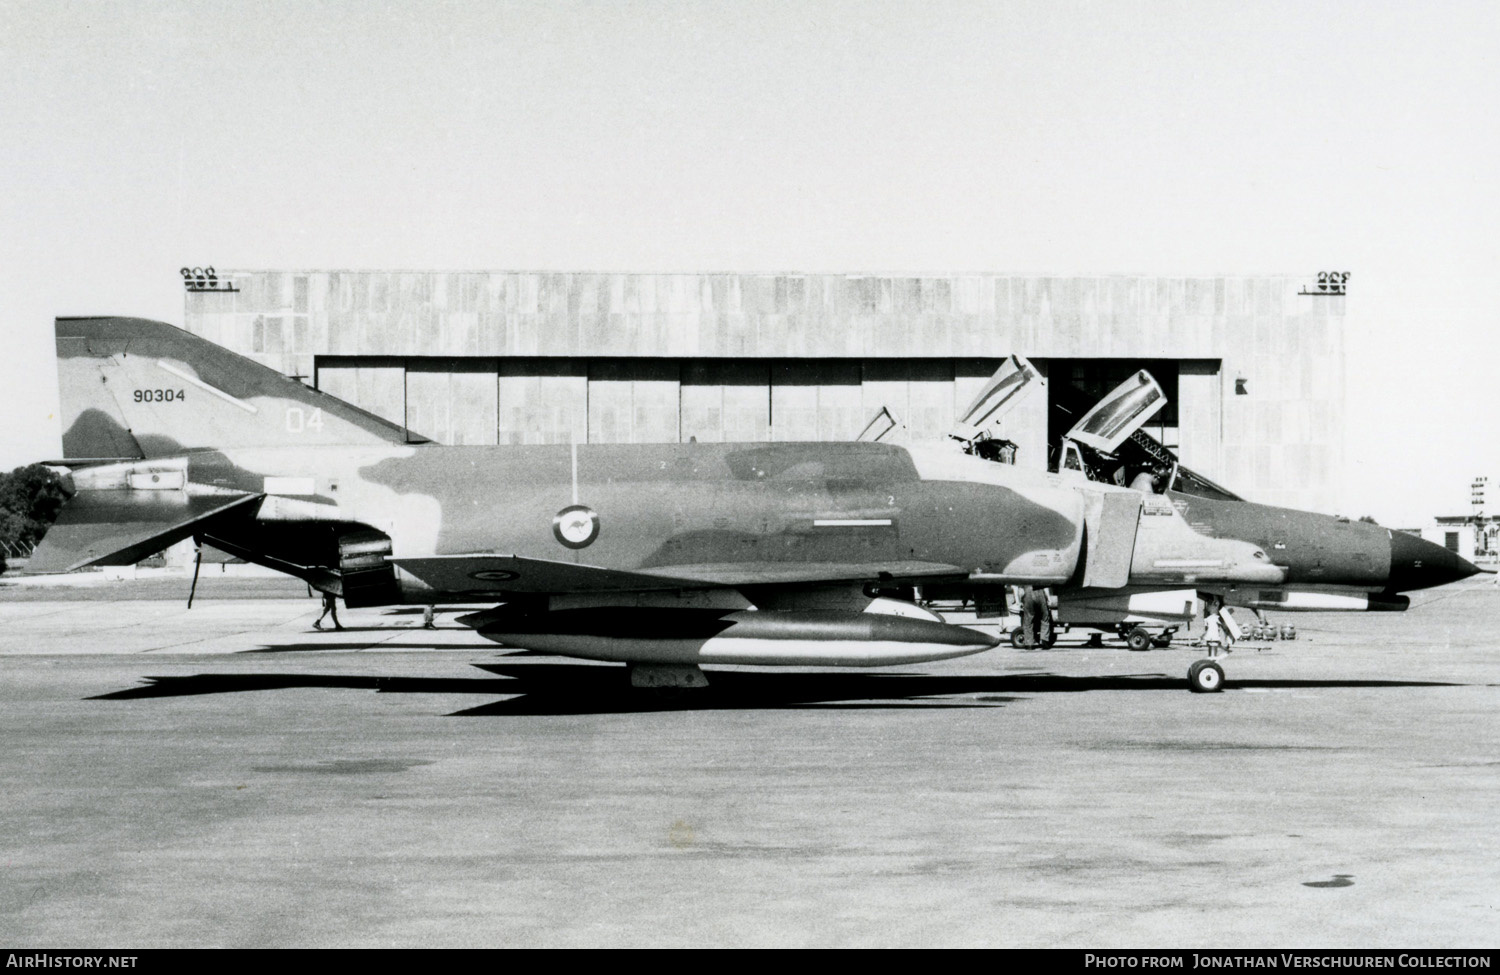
(377, 385)
(1288, 346)
(1198, 416)
(452, 401)
(816, 401)
(919, 392)
(726, 401)
(542, 401)
(633, 401)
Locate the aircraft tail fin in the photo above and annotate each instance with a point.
(134, 388)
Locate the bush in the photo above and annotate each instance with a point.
(30, 498)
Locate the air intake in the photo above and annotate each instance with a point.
(369, 579)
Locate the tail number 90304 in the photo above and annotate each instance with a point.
(159, 396)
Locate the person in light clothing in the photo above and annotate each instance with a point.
(1213, 634)
(1220, 630)
(330, 607)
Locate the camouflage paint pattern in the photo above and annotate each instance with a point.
(470, 521)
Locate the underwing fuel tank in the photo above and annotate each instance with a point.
(644, 635)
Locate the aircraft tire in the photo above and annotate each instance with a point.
(1138, 640)
(1162, 641)
(1205, 677)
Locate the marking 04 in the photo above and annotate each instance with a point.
(298, 421)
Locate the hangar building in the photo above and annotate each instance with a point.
(1253, 366)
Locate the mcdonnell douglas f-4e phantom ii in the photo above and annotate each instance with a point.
(661, 556)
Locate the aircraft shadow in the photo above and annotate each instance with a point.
(341, 647)
(370, 629)
(199, 684)
(576, 689)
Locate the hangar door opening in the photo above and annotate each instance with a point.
(536, 400)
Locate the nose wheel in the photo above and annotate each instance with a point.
(1205, 677)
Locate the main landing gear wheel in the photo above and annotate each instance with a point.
(1018, 639)
(1138, 640)
(1205, 677)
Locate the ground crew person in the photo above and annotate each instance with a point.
(1219, 630)
(1213, 634)
(330, 607)
(1036, 617)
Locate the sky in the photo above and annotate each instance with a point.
(1059, 137)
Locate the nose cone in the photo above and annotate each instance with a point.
(1419, 564)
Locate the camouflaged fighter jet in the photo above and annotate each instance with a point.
(662, 556)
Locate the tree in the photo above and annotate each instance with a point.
(30, 498)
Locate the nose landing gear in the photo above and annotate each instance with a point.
(1205, 677)
(1219, 633)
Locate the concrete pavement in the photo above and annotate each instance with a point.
(225, 776)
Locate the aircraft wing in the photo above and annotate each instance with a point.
(517, 574)
(486, 573)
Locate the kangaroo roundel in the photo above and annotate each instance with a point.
(576, 526)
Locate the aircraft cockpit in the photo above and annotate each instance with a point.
(975, 430)
(1110, 445)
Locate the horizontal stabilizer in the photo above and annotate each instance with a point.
(122, 527)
